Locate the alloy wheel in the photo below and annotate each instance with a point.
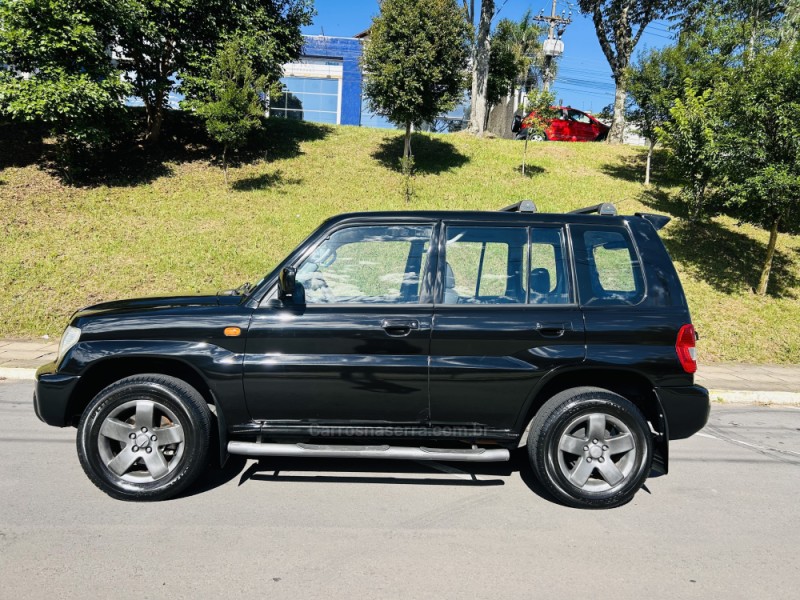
(141, 441)
(597, 452)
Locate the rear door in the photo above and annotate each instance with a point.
(505, 316)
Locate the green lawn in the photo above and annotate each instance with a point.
(172, 226)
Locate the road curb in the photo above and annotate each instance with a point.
(754, 397)
(17, 373)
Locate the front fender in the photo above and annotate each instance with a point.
(219, 369)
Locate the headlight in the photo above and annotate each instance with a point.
(68, 340)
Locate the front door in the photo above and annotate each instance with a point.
(507, 316)
(581, 126)
(355, 351)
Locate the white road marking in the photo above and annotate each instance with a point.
(763, 448)
(707, 435)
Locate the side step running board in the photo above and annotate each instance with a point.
(394, 452)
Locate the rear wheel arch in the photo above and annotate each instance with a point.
(628, 384)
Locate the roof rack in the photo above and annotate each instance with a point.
(605, 209)
(525, 206)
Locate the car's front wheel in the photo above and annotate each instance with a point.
(590, 447)
(145, 437)
(538, 136)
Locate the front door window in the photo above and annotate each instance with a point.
(367, 265)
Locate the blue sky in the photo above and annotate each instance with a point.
(584, 77)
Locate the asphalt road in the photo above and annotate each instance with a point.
(724, 523)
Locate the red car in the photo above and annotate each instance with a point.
(572, 126)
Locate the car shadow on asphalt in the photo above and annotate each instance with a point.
(375, 471)
(394, 472)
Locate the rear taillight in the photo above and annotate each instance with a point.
(685, 348)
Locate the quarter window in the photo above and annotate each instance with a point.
(378, 264)
(608, 267)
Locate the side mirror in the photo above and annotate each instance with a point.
(286, 282)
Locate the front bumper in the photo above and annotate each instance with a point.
(686, 409)
(51, 395)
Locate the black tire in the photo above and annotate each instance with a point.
(583, 411)
(176, 411)
(539, 136)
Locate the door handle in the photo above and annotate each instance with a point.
(553, 330)
(399, 327)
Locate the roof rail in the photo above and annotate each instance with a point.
(605, 209)
(525, 206)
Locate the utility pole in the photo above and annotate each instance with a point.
(553, 46)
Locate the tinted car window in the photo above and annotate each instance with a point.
(549, 280)
(609, 272)
(485, 265)
(580, 117)
(378, 264)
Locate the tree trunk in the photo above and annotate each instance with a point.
(617, 133)
(407, 143)
(773, 239)
(480, 69)
(155, 118)
(751, 53)
(649, 160)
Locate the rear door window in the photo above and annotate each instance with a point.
(506, 265)
(549, 273)
(608, 267)
(485, 265)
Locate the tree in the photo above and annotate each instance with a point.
(539, 106)
(514, 58)
(60, 73)
(691, 134)
(652, 87)
(760, 145)
(619, 25)
(233, 105)
(159, 40)
(415, 61)
(480, 69)
(504, 69)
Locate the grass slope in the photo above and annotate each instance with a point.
(173, 227)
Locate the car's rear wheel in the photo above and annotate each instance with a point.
(145, 437)
(590, 447)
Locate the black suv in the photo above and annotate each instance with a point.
(412, 335)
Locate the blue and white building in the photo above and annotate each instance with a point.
(325, 84)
